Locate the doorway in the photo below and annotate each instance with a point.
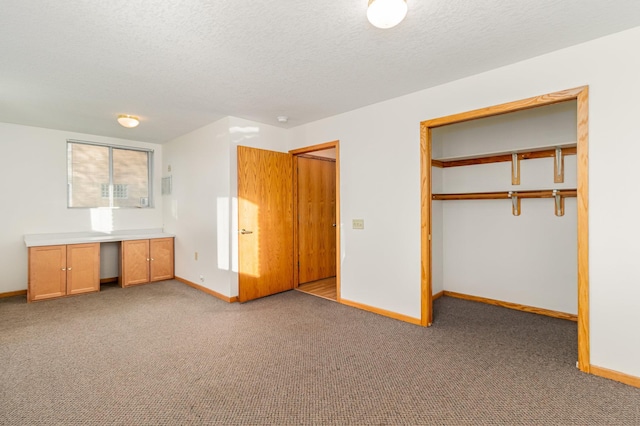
(316, 186)
(581, 96)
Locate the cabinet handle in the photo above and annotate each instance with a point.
(64, 269)
(147, 259)
(68, 269)
(152, 258)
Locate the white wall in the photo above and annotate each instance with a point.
(197, 211)
(34, 176)
(379, 154)
(529, 259)
(202, 210)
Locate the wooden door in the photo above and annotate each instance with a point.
(135, 262)
(47, 272)
(161, 265)
(83, 268)
(316, 219)
(265, 223)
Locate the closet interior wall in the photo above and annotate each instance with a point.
(479, 247)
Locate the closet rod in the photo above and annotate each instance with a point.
(506, 195)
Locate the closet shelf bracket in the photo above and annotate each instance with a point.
(559, 203)
(515, 203)
(515, 169)
(558, 166)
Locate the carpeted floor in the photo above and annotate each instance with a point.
(166, 354)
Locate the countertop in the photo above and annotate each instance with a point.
(34, 240)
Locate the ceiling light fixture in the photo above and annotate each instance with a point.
(128, 121)
(386, 13)
(283, 118)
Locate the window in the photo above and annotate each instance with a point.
(108, 175)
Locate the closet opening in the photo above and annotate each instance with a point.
(504, 207)
(316, 225)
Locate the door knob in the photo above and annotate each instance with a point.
(244, 231)
(334, 225)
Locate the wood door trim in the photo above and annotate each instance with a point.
(318, 147)
(584, 348)
(579, 94)
(305, 150)
(521, 105)
(296, 255)
(316, 157)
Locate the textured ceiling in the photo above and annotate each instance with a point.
(75, 65)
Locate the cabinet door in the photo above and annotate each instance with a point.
(83, 268)
(47, 272)
(161, 250)
(135, 262)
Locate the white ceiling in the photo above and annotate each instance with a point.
(179, 65)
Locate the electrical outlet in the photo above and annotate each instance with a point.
(202, 278)
(195, 255)
(358, 223)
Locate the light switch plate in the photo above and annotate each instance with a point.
(358, 223)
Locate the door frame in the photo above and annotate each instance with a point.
(579, 94)
(308, 150)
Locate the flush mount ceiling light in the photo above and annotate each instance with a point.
(128, 121)
(386, 13)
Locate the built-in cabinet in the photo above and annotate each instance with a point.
(63, 270)
(144, 261)
(69, 263)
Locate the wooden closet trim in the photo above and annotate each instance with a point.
(300, 152)
(579, 94)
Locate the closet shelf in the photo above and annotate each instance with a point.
(545, 193)
(504, 156)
